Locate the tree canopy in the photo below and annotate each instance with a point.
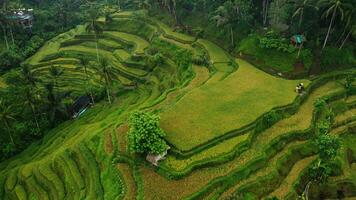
(145, 134)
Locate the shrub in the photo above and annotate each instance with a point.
(328, 146)
(268, 120)
(319, 104)
(145, 135)
(273, 41)
(10, 58)
(335, 58)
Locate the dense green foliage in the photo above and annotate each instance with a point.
(145, 135)
(234, 130)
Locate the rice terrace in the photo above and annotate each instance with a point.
(177, 99)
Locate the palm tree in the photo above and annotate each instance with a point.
(6, 116)
(3, 27)
(332, 8)
(55, 72)
(29, 76)
(108, 73)
(54, 102)
(301, 6)
(349, 27)
(94, 26)
(30, 99)
(265, 6)
(226, 15)
(84, 64)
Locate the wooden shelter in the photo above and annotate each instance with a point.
(22, 17)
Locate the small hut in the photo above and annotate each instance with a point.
(22, 17)
(297, 40)
(80, 106)
(154, 158)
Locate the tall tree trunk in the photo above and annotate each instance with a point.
(265, 11)
(300, 49)
(232, 36)
(35, 116)
(96, 47)
(12, 36)
(341, 36)
(5, 37)
(107, 88)
(86, 86)
(346, 38)
(300, 20)
(330, 25)
(9, 132)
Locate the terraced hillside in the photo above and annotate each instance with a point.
(214, 117)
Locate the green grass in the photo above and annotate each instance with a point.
(211, 153)
(140, 43)
(174, 35)
(223, 106)
(216, 54)
(53, 45)
(122, 54)
(269, 58)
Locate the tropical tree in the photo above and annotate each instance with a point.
(55, 72)
(63, 8)
(349, 26)
(94, 26)
(300, 8)
(231, 13)
(3, 27)
(107, 73)
(333, 7)
(29, 76)
(265, 6)
(145, 134)
(55, 105)
(84, 63)
(31, 99)
(279, 14)
(6, 116)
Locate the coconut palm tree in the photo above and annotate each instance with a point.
(107, 73)
(333, 7)
(265, 6)
(29, 76)
(6, 116)
(94, 26)
(3, 27)
(300, 7)
(226, 16)
(31, 100)
(84, 63)
(55, 72)
(349, 27)
(54, 102)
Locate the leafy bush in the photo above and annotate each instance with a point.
(339, 107)
(273, 41)
(335, 58)
(145, 135)
(319, 104)
(10, 58)
(328, 146)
